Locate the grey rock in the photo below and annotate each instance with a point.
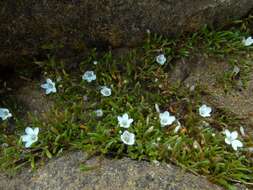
(109, 174)
(208, 73)
(33, 99)
(70, 26)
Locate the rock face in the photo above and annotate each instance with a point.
(26, 26)
(209, 73)
(33, 99)
(64, 174)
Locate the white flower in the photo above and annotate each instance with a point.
(128, 138)
(49, 86)
(125, 121)
(231, 139)
(95, 62)
(205, 111)
(166, 118)
(5, 113)
(161, 59)
(105, 91)
(30, 137)
(89, 76)
(248, 41)
(99, 113)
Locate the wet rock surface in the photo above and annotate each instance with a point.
(64, 174)
(31, 27)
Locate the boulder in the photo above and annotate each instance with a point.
(98, 173)
(209, 74)
(70, 26)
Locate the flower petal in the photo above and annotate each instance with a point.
(119, 119)
(234, 135)
(45, 86)
(53, 90)
(36, 131)
(130, 121)
(99, 113)
(26, 138)
(49, 81)
(128, 138)
(105, 91)
(236, 143)
(29, 131)
(248, 41)
(205, 111)
(227, 141)
(5, 113)
(171, 119)
(28, 144)
(227, 133)
(125, 116)
(48, 90)
(161, 59)
(89, 76)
